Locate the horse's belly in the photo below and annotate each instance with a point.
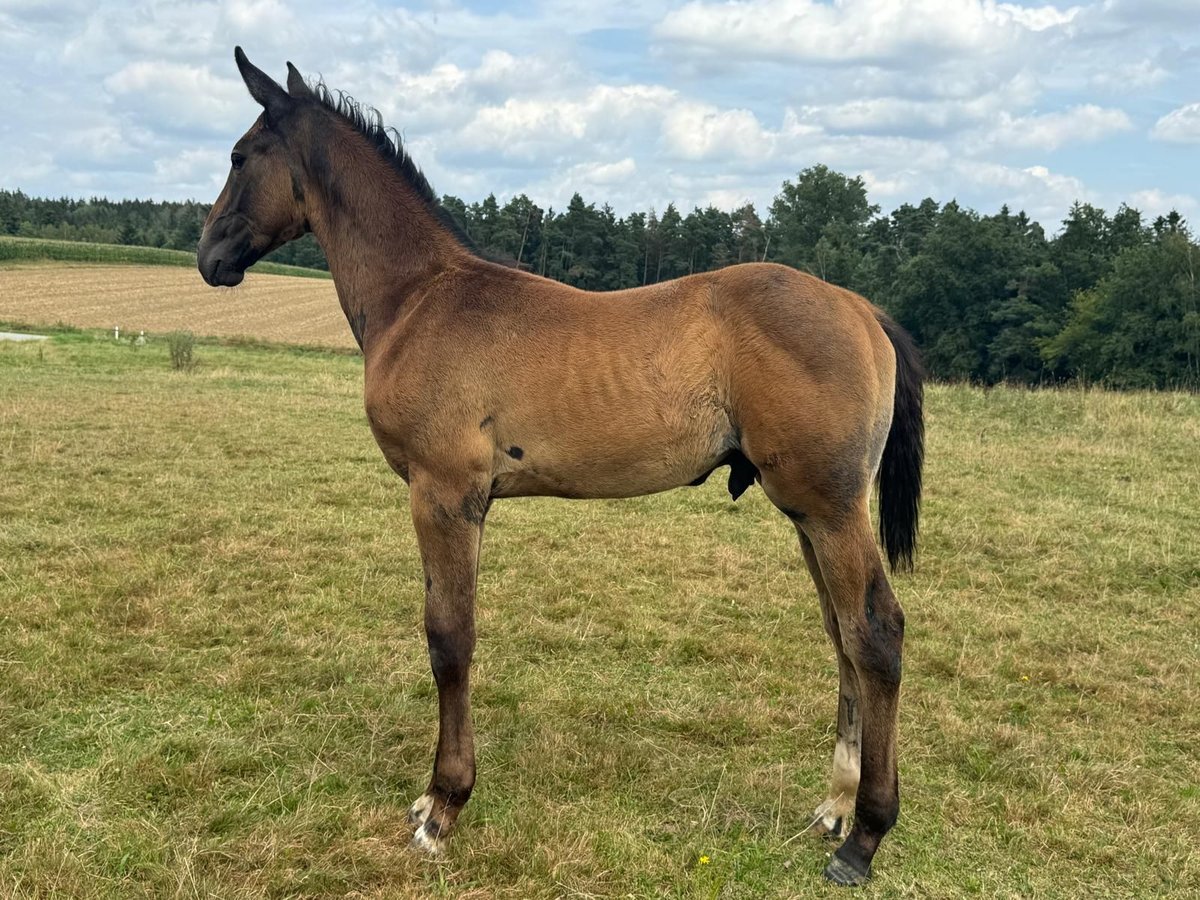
(616, 458)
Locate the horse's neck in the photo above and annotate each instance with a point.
(381, 239)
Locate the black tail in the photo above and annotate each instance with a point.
(904, 454)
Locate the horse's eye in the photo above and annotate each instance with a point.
(237, 160)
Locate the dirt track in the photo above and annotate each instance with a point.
(164, 298)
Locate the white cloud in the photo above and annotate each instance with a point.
(250, 15)
(605, 173)
(700, 131)
(913, 117)
(536, 128)
(176, 94)
(1180, 126)
(597, 181)
(33, 168)
(1049, 131)
(1131, 76)
(1036, 18)
(195, 167)
(1044, 194)
(1142, 12)
(896, 184)
(1153, 203)
(876, 115)
(883, 32)
(725, 198)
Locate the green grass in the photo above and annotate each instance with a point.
(214, 682)
(17, 249)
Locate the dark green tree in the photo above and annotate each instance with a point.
(818, 223)
(1140, 325)
(749, 236)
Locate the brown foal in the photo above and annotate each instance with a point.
(484, 381)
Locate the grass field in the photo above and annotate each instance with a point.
(215, 685)
(18, 249)
(159, 298)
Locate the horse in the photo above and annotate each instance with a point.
(483, 381)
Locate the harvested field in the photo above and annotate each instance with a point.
(165, 298)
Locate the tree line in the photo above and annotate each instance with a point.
(1109, 299)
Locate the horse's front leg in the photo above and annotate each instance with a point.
(448, 513)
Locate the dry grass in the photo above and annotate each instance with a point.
(164, 298)
(215, 685)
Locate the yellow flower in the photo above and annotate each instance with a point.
(1024, 677)
(704, 860)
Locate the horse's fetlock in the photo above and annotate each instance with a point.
(454, 788)
(877, 815)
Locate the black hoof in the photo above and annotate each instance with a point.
(843, 873)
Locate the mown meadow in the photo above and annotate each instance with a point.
(213, 680)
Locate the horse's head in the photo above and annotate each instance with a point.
(261, 206)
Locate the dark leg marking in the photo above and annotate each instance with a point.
(515, 452)
(851, 705)
(358, 326)
(845, 481)
(475, 505)
(445, 651)
(881, 651)
(433, 828)
(454, 796)
(835, 832)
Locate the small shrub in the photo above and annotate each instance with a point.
(181, 345)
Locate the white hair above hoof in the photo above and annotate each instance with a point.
(426, 840)
(419, 811)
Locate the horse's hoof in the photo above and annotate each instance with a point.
(843, 873)
(419, 811)
(426, 840)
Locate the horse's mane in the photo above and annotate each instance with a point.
(368, 122)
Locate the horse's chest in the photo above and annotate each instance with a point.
(392, 429)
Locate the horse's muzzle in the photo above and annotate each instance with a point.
(219, 274)
(224, 254)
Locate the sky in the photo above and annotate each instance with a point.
(636, 105)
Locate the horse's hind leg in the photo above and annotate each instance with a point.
(871, 626)
(448, 514)
(833, 815)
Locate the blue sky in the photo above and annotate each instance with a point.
(1030, 104)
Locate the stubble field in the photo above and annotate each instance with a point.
(215, 682)
(161, 298)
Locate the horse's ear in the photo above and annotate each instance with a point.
(269, 95)
(296, 86)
